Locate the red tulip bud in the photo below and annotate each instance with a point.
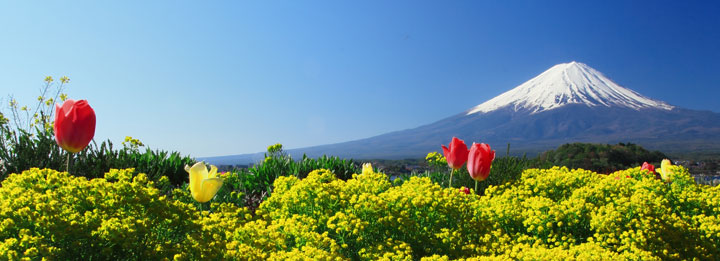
(74, 125)
(465, 190)
(648, 166)
(480, 160)
(457, 154)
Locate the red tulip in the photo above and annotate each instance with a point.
(74, 125)
(457, 155)
(465, 190)
(480, 160)
(648, 166)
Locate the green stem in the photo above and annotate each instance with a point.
(451, 176)
(476, 187)
(67, 163)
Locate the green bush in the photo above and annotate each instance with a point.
(256, 183)
(341, 167)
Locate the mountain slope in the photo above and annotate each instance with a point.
(567, 103)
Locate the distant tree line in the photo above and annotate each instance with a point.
(601, 158)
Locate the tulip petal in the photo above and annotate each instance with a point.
(649, 167)
(367, 168)
(457, 154)
(58, 109)
(665, 170)
(198, 172)
(209, 187)
(67, 107)
(213, 172)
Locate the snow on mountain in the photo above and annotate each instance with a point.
(568, 83)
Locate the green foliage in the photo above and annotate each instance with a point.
(40, 150)
(342, 168)
(505, 169)
(22, 150)
(254, 184)
(155, 164)
(602, 158)
(20, 147)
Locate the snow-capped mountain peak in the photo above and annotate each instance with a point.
(568, 83)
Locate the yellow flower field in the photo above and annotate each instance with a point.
(547, 214)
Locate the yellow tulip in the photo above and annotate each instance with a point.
(367, 168)
(665, 169)
(203, 184)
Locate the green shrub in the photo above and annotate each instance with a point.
(256, 183)
(342, 168)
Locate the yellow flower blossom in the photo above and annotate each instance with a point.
(367, 168)
(665, 170)
(203, 184)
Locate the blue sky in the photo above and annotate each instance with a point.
(210, 78)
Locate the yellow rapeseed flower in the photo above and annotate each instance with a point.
(203, 184)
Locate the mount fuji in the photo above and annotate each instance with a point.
(570, 102)
(568, 83)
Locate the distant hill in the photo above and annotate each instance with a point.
(601, 158)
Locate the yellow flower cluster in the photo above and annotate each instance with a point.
(73, 218)
(552, 213)
(389, 249)
(628, 212)
(436, 159)
(370, 219)
(46, 213)
(131, 142)
(277, 147)
(547, 214)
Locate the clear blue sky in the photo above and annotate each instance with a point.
(210, 78)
